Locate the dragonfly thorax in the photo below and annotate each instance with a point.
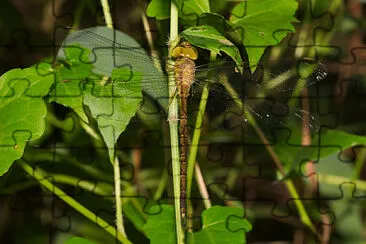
(184, 72)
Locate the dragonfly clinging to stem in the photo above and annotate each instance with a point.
(107, 54)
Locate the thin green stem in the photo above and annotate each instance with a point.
(107, 14)
(191, 163)
(195, 139)
(197, 134)
(116, 168)
(161, 186)
(42, 179)
(291, 188)
(173, 126)
(339, 180)
(117, 194)
(299, 205)
(202, 187)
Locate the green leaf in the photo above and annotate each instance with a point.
(219, 225)
(222, 225)
(69, 79)
(113, 105)
(261, 24)
(209, 38)
(159, 9)
(116, 55)
(324, 144)
(190, 10)
(335, 140)
(134, 215)
(161, 226)
(78, 240)
(22, 109)
(111, 49)
(216, 21)
(344, 197)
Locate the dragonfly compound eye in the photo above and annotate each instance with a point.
(185, 50)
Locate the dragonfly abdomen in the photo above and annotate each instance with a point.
(184, 72)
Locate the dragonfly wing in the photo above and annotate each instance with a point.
(297, 75)
(107, 54)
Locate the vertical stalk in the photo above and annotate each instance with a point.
(117, 194)
(173, 126)
(197, 134)
(116, 168)
(107, 14)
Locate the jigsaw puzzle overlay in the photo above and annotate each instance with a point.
(275, 129)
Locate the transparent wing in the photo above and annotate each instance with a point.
(108, 53)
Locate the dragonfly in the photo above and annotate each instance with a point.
(109, 53)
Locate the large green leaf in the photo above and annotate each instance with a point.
(114, 101)
(219, 225)
(161, 226)
(262, 23)
(22, 110)
(222, 225)
(113, 105)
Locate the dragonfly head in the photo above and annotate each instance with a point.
(185, 49)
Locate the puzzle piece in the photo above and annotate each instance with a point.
(237, 165)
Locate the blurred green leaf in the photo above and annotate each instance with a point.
(190, 10)
(133, 215)
(333, 141)
(78, 240)
(292, 154)
(344, 198)
(159, 9)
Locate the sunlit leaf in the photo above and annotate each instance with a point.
(22, 109)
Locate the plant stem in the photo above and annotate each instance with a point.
(197, 133)
(202, 187)
(107, 14)
(161, 186)
(195, 139)
(291, 188)
(116, 169)
(42, 179)
(173, 126)
(117, 194)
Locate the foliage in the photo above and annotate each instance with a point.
(103, 92)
